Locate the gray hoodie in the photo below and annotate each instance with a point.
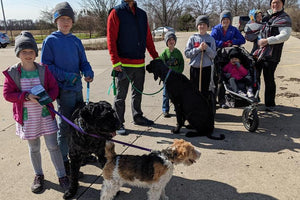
(194, 53)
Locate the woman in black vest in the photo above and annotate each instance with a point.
(275, 32)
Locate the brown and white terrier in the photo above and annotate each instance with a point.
(152, 171)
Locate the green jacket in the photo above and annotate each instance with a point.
(173, 59)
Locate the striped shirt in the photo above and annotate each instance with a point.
(37, 119)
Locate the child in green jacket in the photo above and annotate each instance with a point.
(174, 59)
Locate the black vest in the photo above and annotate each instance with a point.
(132, 34)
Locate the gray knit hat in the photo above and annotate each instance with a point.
(202, 19)
(63, 9)
(169, 35)
(25, 41)
(225, 14)
(283, 1)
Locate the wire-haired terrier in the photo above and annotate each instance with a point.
(152, 171)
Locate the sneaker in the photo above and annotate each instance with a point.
(122, 130)
(166, 115)
(270, 108)
(250, 93)
(240, 92)
(38, 184)
(64, 182)
(142, 121)
(224, 106)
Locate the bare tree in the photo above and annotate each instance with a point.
(100, 9)
(202, 7)
(166, 12)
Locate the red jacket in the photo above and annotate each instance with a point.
(12, 90)
(237, 73)
(112, 37)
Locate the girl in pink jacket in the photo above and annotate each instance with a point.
(34, 120)
(238, 76)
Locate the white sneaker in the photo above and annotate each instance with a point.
(122, 130)
(240, 92)
(250, 93)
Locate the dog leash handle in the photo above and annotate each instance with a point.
(87, 92)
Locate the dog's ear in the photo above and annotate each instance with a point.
(85, 114)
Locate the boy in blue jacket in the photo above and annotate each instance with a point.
(225, 34)
(66, 59)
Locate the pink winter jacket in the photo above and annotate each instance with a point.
(237, 73)
(12, 88)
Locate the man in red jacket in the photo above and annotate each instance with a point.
(128, 37)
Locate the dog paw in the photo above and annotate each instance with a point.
(192, 134)
(176, 130)
(71, 192)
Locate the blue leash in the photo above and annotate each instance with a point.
(87, 92)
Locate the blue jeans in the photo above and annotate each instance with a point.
(166, 105)
(66, 104)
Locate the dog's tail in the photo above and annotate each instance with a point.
(110, 150)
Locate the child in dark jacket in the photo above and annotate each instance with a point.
(34, 120)
(237, 74)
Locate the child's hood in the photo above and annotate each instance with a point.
(60, 34)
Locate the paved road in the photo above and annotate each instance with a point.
(245, 166)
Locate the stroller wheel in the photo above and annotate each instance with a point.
(250, 119)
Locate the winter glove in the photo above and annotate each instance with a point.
(228, 75)
(72, 78)
(227, 43)
(238, 64)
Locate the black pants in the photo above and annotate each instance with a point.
(137, 76)
(205, 81)
(268, 69)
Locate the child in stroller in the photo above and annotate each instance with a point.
(238, 76)
(227, 91)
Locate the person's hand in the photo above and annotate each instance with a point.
(88, 79)
(33, 98)
(203, 46)
(237, 64)
(262, 42)
(72, 78)
(118, 68)
(228, 75)
(228, 43)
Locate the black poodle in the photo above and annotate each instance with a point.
(99, 123)
(189, 103)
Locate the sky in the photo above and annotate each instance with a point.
(31, 9)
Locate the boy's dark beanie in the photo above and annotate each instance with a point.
(63, 9)
(25, 41)
(169, 35)
(225, 14)
(283, 1)
(202, 19)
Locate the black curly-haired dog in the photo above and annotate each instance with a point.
(189, 103)
(100, 122)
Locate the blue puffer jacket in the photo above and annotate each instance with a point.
(65, 56)
(232, 34)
